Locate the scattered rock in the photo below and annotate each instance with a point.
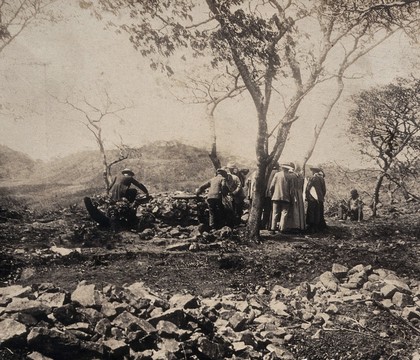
(86, 295)
(63, 251)
(11, 330)
(339, 271)
(115, 348)
(329, 281)
(184, 301)
(133, 322)
(238, 321)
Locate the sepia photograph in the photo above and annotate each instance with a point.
(210, 179)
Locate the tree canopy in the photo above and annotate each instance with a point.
(386, 124)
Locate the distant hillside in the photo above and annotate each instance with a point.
(15, 165)
(161, 166)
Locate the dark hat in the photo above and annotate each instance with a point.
(128, 172)
(354, 192)
(315, 169)
(221, 172)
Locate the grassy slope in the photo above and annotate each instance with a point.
(14, 164)
(165, 166)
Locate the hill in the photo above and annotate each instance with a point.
(161, 166)
(15, 165)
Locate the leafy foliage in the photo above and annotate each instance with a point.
(386, 124)
(16, 15)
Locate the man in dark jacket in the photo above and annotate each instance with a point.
(120, 187)
(217, 188)
(315, 195)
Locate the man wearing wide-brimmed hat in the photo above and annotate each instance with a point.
(280, 198)
(217, 188)
(235, 187)
(120, 187)
(315, 195)
(296, 216)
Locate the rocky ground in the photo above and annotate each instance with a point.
(73, 290)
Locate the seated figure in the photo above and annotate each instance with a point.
(355, 206)
(343, 210)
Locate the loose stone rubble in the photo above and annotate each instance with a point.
(132, 322)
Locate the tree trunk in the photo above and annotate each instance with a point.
(105, 172)
(213, 152)
(253, 226)
(376, 193)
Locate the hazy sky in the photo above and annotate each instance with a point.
(77, 58)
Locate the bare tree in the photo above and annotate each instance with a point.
(386, 124)
(94, 115)
(211, 92)
(354, 50)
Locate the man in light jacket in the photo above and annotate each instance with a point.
(217, 189)
(280, 198)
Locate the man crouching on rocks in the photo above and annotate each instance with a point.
(120, 186)
(217, 189)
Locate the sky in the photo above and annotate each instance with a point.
(77, 58)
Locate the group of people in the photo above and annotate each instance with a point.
(283, 203)
(225, 196)
(283, 207)
(284, 200)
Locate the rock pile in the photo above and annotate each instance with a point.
(178, 216)
(174, 215)
(132, 322)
